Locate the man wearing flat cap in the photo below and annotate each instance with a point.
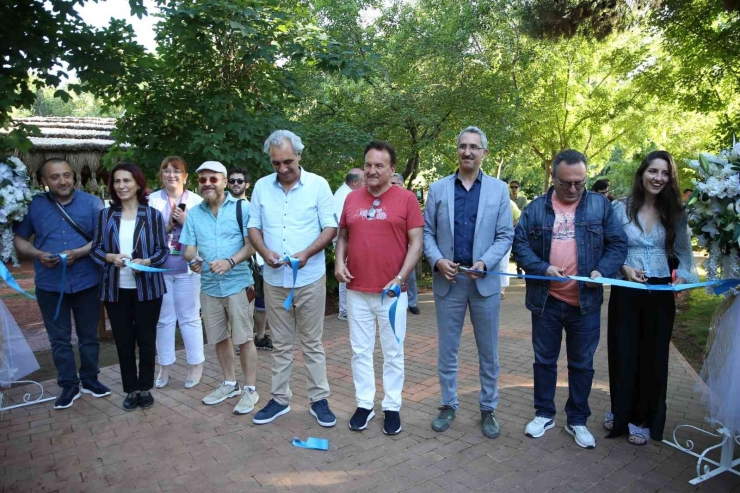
(217, 247)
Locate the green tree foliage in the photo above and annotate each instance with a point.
(223, 78)
(701, 40)
(35, 38)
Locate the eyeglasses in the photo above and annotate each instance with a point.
(568, 184)
(371, 213)
(175, 172)
(603, 192)
(472, 147)
(240, 181)
(203, 180)
(514, 187)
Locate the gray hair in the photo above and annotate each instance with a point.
(474, 130)
(352, 178)
(398, 176)
(278, 137)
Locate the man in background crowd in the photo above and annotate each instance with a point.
(238, 186)
(354, 180)
(516, 195)
(411, 288)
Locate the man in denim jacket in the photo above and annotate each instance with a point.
(568, 231)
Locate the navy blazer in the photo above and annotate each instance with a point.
(149, 242)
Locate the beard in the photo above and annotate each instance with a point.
(212, 196)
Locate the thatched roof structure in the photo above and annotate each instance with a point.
(82, 142)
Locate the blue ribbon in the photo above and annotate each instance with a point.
(396, 290)
(10, 281)
(144, 268)
(720, 286)
(63, 260)
(312, 443)
(294, 264)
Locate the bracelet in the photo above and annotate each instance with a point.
(403, 281)
(231, 261)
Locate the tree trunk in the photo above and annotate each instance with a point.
(546, 167)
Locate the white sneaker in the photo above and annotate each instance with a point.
(538, 426)
(247, 402)
(222, 393)
(583, 437)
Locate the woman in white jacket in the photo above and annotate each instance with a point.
(181, 303)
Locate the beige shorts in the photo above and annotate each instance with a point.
(228, 317)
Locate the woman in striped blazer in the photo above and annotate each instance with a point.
(131, 232)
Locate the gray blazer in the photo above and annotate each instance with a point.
(494, 231)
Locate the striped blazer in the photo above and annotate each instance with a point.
(149, 242)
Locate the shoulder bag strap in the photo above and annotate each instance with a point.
(71, 222)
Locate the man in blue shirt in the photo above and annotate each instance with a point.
(54, 234)
(467, 224)
(217, 248)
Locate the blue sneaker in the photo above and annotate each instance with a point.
(270, 413)
(320, 410)
(70, 393)
(95, 388)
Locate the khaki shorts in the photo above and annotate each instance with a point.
(228, 317)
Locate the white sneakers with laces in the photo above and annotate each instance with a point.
(539, 425)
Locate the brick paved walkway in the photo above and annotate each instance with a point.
(183, 445)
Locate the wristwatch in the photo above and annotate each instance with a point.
(403, 281)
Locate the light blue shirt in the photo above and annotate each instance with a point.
(647, 251)
(291, 221)
(218, 237)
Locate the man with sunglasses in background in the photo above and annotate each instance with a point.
(380, 242)
(238, 186)
(292, 215)
(467, 231)
(516, 195)
(217, 248)
(568, 231)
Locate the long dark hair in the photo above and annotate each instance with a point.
(141, 195)
(669, 204)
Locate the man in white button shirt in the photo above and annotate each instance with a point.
(292, 214)
(354, 180)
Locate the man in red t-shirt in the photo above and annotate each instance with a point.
(380, 241)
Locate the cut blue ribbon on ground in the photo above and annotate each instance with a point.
(294, 263)
(312, 443)
(396, 290)
(720, 286)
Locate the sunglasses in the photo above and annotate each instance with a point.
(514, 187)
(213, 179)
(233, 181)
(371, 213)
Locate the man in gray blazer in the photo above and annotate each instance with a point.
(467, 224)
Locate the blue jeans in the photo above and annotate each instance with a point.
(484, 312)
(412, 289)
(85, 307)
(581, 339)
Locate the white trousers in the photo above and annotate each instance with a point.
(364, 310)
(503, 266)
(181, 303)
(342, 298)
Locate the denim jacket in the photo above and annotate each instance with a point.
(602, 246)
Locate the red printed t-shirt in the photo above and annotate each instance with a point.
(564, 250)
(377, 246)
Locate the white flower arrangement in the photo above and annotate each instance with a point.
(714, 211)
(15, 195)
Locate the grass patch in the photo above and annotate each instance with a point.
(691, 328)
(14, 295)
